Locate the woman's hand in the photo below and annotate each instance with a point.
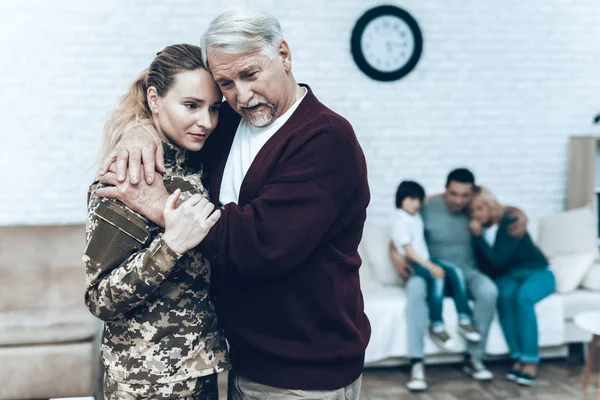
(518, 228)
(475, 227)
(187, 225)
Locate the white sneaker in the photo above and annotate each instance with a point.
(417, 378)
(477, 370)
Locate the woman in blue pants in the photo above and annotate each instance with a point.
(523, 278)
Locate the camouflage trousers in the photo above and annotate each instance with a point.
(203, 388)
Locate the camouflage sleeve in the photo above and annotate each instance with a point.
(124, 265)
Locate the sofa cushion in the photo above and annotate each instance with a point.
(569, 241)
(386, 310)
(591, 280)
(368, 281)
(42, 284)
(56, 371)
(568, 232)
(533, 228)
(41, 267)
(375, 242)
(570, 269)
(39, 327)
(578, 301)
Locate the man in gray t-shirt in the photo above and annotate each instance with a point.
(447, 232)
(448, 237)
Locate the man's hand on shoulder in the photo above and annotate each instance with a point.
(518, 228)
(138, 147)
(146, 199)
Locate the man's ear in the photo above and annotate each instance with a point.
(152, 98)
(283, 51)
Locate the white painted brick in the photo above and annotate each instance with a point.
(500, 88)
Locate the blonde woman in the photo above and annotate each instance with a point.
(523, 278)
(161, 337)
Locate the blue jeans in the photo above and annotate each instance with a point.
(435, 291)
(518, 291)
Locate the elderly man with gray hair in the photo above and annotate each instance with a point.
(291, 178)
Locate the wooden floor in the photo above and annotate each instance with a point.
(558, 380)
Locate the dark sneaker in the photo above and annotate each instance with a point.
(525, 379)
(468, 332)
(442, 339)
(512, 374)
(477, 370)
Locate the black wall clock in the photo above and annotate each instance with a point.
(386, 43)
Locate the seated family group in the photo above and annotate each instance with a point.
(465, 243)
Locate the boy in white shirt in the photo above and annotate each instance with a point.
(408, 235)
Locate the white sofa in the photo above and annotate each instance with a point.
(568, 239)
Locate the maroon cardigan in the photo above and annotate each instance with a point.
(285, 261)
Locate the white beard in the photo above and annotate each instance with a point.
(258, 121)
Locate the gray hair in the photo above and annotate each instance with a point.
(240, 30)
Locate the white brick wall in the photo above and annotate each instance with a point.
(499, 88)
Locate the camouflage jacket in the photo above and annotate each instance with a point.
(161, 326)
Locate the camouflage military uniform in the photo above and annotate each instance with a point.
(161, 338)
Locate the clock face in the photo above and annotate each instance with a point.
(386, 43)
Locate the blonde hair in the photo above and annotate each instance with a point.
(496, 209)
(132, 107)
